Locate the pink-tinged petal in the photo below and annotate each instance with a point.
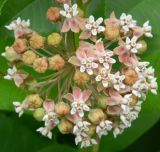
(77, 93)
(81, 55)
(18, 80)
(138, 31)
(85, 35)
(115, 99)
(74, 118)
(74, 60)
(85, 46)
(69, 97)
(74, 25)
(81, 22)
(86, 94)
(114, 110)
(100, 46)
(127, 89)
(48, 105)
(66, 26)
(120, 50)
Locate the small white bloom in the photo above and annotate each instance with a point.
(19, 108)
(118, 130)
(79, 107)
(132, 45)
(19, 23)
(103, 128)
(69, 11)
(117, 80)
(51, 117)
(147, 29)
(88, 65)
(11, 73)
(45, 131)
(94, 26)
(127, 22)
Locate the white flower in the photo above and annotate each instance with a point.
(117, 80)
(46, 131)
(79, 107)
(118, 130)
(127, 22)
(88, 65)
(102, 76)
(139, 88)
(106, 60)
(126, 122)
(94, 26)
(103, 128)
(11, 73)
(132, 45)
(19, 23)
(132, 116)
(80, 130)
(147, 29)
(153, 85)
(51, 117)
(69, 11)
(19, 108)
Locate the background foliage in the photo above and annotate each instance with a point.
(19, 134)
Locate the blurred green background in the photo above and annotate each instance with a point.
(19, 135)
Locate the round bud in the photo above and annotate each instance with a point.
(40, 65)
(34, 101)
(54, 39)
(53, 14)
(62, 108)
(96, 116)
(37, 41)
(144, 46)
(65, 127)
(56, 63)
(62, 1)
(80, 12)
(112, 31)
(39, 114)
(29, 57)
(92, 130)
(102, 102)
(130, 76)
(20, 46)
(11, 55)
(80, 78)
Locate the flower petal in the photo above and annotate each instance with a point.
(69, 97)
(85, 95)
(77, 93)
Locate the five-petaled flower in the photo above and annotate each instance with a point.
(78, 101)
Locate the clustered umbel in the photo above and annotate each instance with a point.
(93, 95)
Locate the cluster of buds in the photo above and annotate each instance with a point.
(93, 97)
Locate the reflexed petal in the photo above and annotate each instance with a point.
(77, 93)
(74, 25)
(85, 95)
(69, 97)
(66, 26)
(48, 106)
(74, 60)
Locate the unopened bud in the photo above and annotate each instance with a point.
(62, 1)
(130, 76)
(29, 57)
(144, 46)
(92, 130)
(81, 78)
(34, 101)
(54, 39)
(37, 41)
(39, 114)
(20, 45)
(65, 127)
(80, 12)
(102, 102)
(62, 108)
(40, 65)
(96, 116)
(56, 63)
(112, 31)
(53, 14)
(11, 55)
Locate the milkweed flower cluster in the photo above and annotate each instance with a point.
(94, 97)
